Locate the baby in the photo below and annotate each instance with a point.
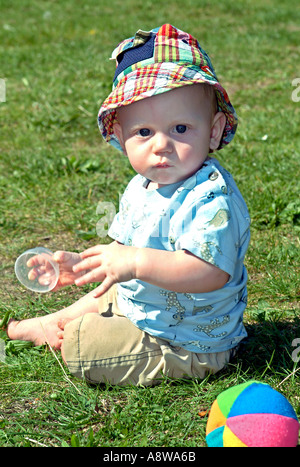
(173, 281)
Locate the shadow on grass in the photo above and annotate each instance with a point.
(272, 346)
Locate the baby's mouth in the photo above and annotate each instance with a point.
(162, 165)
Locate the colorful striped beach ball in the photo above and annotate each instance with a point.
(252, 414)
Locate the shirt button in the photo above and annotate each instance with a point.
(213, 176)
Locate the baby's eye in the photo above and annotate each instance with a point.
(144, 132)
(180, 128)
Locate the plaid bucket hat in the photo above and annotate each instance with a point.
(157, 61)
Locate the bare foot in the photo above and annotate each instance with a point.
(48, 329)
(40, 330)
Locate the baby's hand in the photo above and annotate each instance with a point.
(66, 261)
(42, 269)
(108, 264)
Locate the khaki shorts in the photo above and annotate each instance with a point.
(107, 347)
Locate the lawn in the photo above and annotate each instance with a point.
(55, 169)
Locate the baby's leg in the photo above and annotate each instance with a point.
(45, 329)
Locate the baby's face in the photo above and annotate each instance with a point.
(167, 137)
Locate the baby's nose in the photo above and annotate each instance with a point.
(162, 143)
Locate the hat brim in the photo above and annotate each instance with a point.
(156, 79)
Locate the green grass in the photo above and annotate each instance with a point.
(54, 170)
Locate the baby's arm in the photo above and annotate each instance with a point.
(178, 271)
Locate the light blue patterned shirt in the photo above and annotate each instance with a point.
(206, 215)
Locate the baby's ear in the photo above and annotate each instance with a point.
(217, 129)
(119, 134)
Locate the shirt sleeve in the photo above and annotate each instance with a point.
(211, 231)
(122, 223)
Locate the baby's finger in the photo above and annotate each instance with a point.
(45, 279)
(33, 274)
(88, 263)
(103, 288)
(35, 261)
(94, 250)
(92, 276)
(98, 291)
(61, 256)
